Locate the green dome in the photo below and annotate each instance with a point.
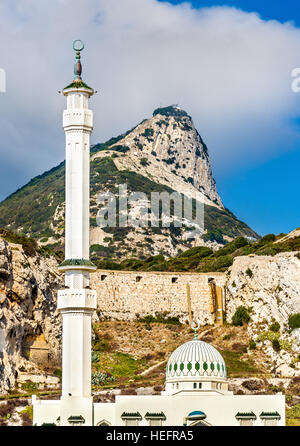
(195, 359)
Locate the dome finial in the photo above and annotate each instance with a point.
(78, 46)
(195, 327)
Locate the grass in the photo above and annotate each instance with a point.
(125, 349)
(132, 347)
(119, 365)
(238, 366)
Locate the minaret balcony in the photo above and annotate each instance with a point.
(78, 118)
(76, 299)
(77, 265)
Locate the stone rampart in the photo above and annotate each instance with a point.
(124, 295)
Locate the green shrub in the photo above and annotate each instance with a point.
(231, 247)
(276, 345)
(241, 316)
(249, 273)
(252, 344)
(28, 411)
(102, 345)
(271, 336)
(148, 132)
(294, 321)
(227, 337)
(29, 245)
(101, 378)
(95, 357)
(29, 386)
(275, 327)
(161, 319)
(170, 111)
(58, 373)
(267, 336)
(199, 251)
(122, 149)
(267, 238)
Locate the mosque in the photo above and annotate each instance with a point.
(196, 391)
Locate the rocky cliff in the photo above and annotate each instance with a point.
(269, 286)
(27, 309)
(168, 149)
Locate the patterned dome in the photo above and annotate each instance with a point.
(195, 359)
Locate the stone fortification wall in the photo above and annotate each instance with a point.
(131, 295)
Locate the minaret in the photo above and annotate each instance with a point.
(77, 301)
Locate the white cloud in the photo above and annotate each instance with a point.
(229, 69)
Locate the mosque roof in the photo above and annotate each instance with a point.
(193, 360)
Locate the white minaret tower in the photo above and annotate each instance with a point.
(77, 301)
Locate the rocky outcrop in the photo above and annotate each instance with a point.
(270, 287)
(170, 151)
(28, 287)
(167, 151)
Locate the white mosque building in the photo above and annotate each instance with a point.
(196, 391)
(196, 394)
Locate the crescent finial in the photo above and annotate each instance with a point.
(195, 327)
(78, 46)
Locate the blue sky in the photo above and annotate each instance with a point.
(267, 195)
(228, 68)
(282, 10)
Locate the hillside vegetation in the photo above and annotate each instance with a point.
(31, 209)
(198, 259)
(202, 259)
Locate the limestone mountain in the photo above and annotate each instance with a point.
(168, 149)
(163, 153)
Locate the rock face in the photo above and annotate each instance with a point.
(270, 287)
(168, 152)
(27, 309)
(168, 149)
